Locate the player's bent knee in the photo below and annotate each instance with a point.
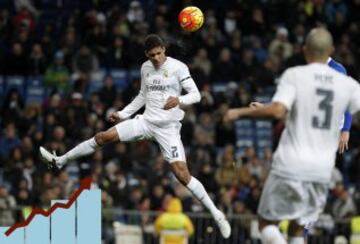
(100, 138)
(263, 223)
(295, 229)
(105, 137)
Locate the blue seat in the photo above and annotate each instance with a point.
(264, 143)
(244, 123)
(134, 74)
(240, 132)
(17, 82)
(120, 79)
(219, 87)
(245, 142)
(35, 91)
(263, 98)
(97, 81)
(240, 152)
(263, 124)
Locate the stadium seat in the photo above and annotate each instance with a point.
(245, 142)
(127, 233)
(243, 123)
(263, 124)
(17, 82)
(35, 91)
(134, 74)
(341, 240)
(263, 98)
(240, 132)
(219, 87)
(120, 78)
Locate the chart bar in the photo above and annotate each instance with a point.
(63, 224)
(38, 231)
(89, 217)
(17, 237)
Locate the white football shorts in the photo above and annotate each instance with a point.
(167, 136)
(288, 199)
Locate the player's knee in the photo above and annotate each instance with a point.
(263, 223)
(295, 229)
(102, 138)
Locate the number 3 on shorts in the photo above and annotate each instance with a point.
(174, 152)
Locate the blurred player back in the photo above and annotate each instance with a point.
(316, 96)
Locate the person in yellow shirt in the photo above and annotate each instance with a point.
(173, 226)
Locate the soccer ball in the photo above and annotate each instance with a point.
(191, 18)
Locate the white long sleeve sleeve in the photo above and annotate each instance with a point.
(134, 106)
(193, 94)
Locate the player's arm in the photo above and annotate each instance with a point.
(281, 102)
(354, 106)
(345, 133)
(275, 110)
(131, 108)
(345, 130)
(192, 95)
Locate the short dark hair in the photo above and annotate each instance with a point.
(152, 41)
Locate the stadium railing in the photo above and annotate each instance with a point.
(137, 227)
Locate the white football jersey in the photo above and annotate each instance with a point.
(157, 85)
(316, 97)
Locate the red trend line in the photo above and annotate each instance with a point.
(84, 185)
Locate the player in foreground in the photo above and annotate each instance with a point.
(347, 119)
(313, 97)
(162, 79)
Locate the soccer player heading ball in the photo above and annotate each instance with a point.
(162, 79)
(313, 98)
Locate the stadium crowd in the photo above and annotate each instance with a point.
(243, 46)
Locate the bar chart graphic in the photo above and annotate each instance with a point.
(73, 221)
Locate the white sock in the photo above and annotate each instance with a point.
(198, 190)
(85, 148)
(296, 240)
(271, 235)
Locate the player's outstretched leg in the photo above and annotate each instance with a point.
(181, 172)
(83, 149)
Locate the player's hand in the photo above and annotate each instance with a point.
(114, 117)
(344, 141)
(231, 114)
(256, 105)
(171, 103)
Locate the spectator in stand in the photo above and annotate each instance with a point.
(177, 223)
(9, 141)
(37, 61)
(225, 175)
(19, 4)
(108, 92)
(280, 46)
(15, 62)
(12, 107)
(85, 65)
(116, 56)
(7, 205)
(24, 17)
(57, 75)
(224, 69)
